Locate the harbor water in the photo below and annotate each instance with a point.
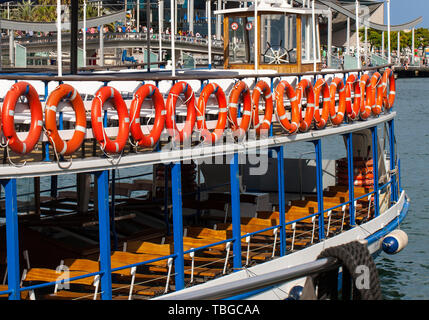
(404, 275)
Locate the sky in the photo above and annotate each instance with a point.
(402, 11)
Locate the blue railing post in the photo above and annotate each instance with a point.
(46, 149)
(235, 211)
(319, 181)
(112, 210)
(350, 171)
(281, 191)
(375, 170)
(392, 157)
(12, 240)
(399, 175)
(176, 190)
(270, 133)
(104, 233)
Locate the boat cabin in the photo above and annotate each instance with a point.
(284, 37)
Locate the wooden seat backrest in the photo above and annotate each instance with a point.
(120, 259)
(49, 275)
(149, 247)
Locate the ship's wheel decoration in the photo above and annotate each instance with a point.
(276, 54)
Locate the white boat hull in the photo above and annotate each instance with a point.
(373, 231)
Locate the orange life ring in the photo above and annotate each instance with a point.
(365, 107)
(321, 87)
(337, 117)
(364, 183)
(62, 147)
(102, 95)
(262, 88)
(222, 113)
(388, 98)
(144, 91)
(8, 112)
(305, 88)
(367, 176)
(240, 89)
(352, 85)
(357, 171)
(170, 120)
(285, 88)
(374, 102)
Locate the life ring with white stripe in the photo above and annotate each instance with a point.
(352, 85)
(108, 145)
(375, 102)
(262, 88)
(8, 122)
(285, 88)
(305, 88)
(65, 91)
(240, 89)
(344, 176)
(365, 107)
(143, 92)
(212, 88)
(337, 117)
(321, 119)
(170, 121)
(388, 98)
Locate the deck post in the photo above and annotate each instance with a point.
(235, 211)
(329, 53)
(176, 191)
(392, 157)
(167, 223)
(12, 239)
(375, 170)
(209, 32)
(319, 181)
(54, 186)
(104, 233)
(350, 171)
(281, 191)
(112, 210)
(73, 35)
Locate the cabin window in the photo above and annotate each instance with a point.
(241, 40)
(307, 40)
(278, 39)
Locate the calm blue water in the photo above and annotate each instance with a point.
(404, 275)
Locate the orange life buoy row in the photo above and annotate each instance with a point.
(370, 96)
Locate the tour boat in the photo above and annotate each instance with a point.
(179, 185)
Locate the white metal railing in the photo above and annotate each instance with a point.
(123, 36)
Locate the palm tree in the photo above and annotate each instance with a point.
(23, 12)
(46, 10)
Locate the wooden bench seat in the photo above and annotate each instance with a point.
(49, 275)
(198, 271)
(165, 250)
(91, 266)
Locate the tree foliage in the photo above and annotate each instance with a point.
(421, 38)
(45, 10)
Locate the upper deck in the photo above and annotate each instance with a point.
(162, 150)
